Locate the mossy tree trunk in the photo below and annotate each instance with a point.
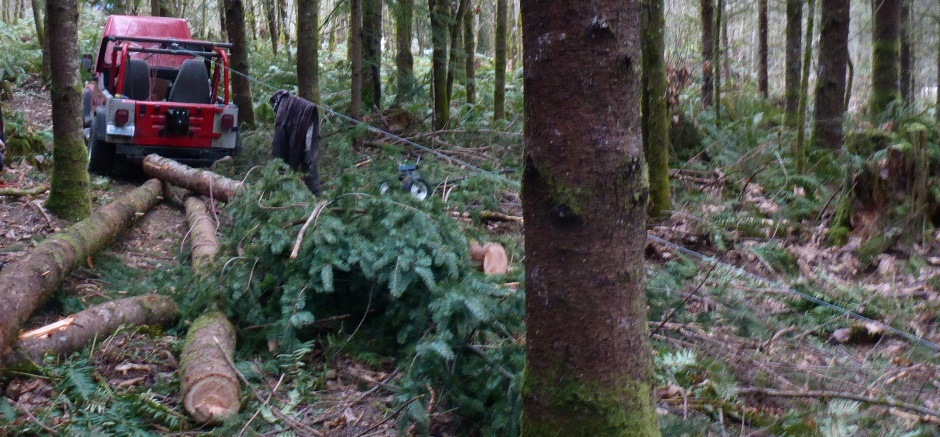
(241, 87)
(793, 62)
(469, 49)
(906, 82)
(29, 281)
(655, 114)
(372, 54)
(69, 193)
(799, 147)
(499, 62)
(404, 60)
(589, 367)
(885, 56)
(829, 111)
(707, 14)
(308, 50)
(762, 51)
(440, 15)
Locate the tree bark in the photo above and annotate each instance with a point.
(829, 110)
(372, 54)
(201, 233)
(241, 87)
(707, 14)
(762, 50)
(74, 332)
(716, 59)
(655, 114)
(584, 193)
(885, 57)
(456, 27)
(355, 59)
(440, 15)
(28, 282)
(499, 63)
(308, 50)
(799, 147)
(937, 107)
(906, 82)
(209, 385)
(270, 12)
(404, 61)
(198, 181)
(69, 192)
(469, 50)
(791, 93)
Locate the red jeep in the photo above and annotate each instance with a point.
(153, 94)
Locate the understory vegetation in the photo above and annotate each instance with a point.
(760, 288)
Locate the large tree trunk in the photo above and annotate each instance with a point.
(440, 15)
(28, 282)
(831, 74)
(308, 50)
(499, 63)
(198, 181)
(469, 49)
(372, 54)
(355, 59)
(762, 48)
(201, 233)
(906, 82)
(707, 14)
(791, 92)
(456, 27)
(69, 192)
(404, 61)
(799, 147)
(270, 11)
(588, 358)
(885, 56)
(209, 385)
(241, 87)
(655, 114)
(100, 321)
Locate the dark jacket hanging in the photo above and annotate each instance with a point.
(297, 136)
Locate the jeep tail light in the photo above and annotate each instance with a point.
(228, 121)
(120, 117)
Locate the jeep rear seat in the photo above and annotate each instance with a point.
(192, 83)
(137, 80)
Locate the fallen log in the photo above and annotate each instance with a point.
(21, 192)
(28, 282)
(210, 387)
(202, 236)
(490, 258)
(198, 181)
(77, 330)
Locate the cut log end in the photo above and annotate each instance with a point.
(213, 398)
(490, 258)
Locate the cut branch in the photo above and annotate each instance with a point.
(202, 182)
(28, 282)
(202, 236)
(74, 332)
(210, 387)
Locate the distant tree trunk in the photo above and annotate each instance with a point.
(499, 63)
(222, 26)
(372, 54)
(655, 114)
(355, 58)
(906, 56)
(831, 74)
(308, 49)
(38, 21)
(762, 48)
(849, 80)
(716, 59)
(155, 8)
(404, 61)
(284, 27)
(791, 93)
(799, 149)
(241, 87)
(440, 15)
(69, 193)
(456, 27)
(885, 57)
(469, 50)
(485, 35)
(589, 365)
(270, 12)
(937, 107)
(707, 13)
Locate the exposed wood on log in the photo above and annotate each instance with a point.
(77, 330)
(19, 192)
(210, 387)
(490, 258)
(28, 282)
(201, 233)
(490, 216)
(203, 182)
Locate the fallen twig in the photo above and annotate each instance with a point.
(20, 192)
(35, 420)
(303, 230)
(927, 414)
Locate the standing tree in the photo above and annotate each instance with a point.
(707, 13)
(906, 83)
(762, 48)
(69, 195)
(655, 114)
(588, 358)
(404, 61)
(716, 58)
(469, 50)
(799, 147)
(499, 63)
(885, 56)
(456, 28)
(355, 59)
(440, 15)
(308, 49)
(791, 93)
(241, 87)
(831, 74)
(372, 54)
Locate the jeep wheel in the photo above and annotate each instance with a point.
(100, 154)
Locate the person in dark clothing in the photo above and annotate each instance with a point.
(297, 136)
